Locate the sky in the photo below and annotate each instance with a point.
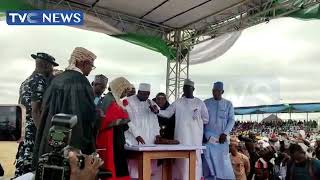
(277, 62)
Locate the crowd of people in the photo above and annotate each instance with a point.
(264, 128)
(278, 156)
(123, 117)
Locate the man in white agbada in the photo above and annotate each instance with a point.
(217, 163)
(191, 114)
(144, 126)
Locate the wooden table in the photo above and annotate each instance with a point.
(144, 155)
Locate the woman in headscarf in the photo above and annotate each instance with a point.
(111, 140)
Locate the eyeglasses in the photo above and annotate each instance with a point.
(92, 66)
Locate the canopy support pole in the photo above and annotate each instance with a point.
(178, 69)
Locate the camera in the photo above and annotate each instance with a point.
(55, 164)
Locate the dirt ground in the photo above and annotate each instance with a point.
(8, 152)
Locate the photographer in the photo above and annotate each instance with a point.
(89, 172)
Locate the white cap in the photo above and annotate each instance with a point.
(144, 87)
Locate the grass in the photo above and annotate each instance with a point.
(8, 152)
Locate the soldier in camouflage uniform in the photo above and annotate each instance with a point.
(30, 95)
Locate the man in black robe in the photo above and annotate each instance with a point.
(70, 93)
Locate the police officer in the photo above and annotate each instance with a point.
(30, 95)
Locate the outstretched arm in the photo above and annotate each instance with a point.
(168, 112)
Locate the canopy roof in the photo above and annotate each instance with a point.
(175, 28)
(279, 108)
(151, 23)
(170, 13)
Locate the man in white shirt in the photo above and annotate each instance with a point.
(143, 126)
(191, 115)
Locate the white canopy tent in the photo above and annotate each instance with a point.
(176, 28)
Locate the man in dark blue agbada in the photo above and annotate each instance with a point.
(30, 95)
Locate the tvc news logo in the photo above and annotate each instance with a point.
(45, 17)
